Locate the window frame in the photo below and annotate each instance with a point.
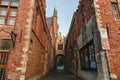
(115, 12)
(60, 46)
(1, 50)
(3, 59)
(83, 51)
(3, 8)
(9, 7)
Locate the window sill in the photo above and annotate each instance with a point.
(6, 25)
(5, 51)
(117, 19)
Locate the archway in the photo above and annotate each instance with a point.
(60, 61)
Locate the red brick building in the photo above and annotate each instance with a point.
(57, 38)
(53, 26)
(92, 44)
(26, 50)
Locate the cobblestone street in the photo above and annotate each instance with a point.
(60, 75)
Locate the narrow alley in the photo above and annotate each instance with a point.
(60, 74)
(59, 39)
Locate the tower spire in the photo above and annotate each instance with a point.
(55, 12)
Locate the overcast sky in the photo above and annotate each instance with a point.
(65, 9)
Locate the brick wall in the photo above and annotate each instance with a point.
(17, 59)
(106, 15)
(36, 54)
(30, 58)
(98, 15)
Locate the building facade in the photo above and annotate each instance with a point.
(71, 47)
(25, 41)
(53, 27)
(59, 47)
(57, 38)
(95, 30)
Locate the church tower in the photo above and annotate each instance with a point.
(55, 23)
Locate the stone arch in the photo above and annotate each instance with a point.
(59, 60)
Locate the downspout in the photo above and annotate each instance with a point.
(106, 55)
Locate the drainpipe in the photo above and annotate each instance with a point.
(106, 55)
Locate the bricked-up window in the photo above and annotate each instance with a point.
(60, 46)
(4, 44)
(87, 56)
(8, 11)
(115, 11)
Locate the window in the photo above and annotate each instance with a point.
(84, 17)
(9, 2)
(13, 12)
(87, 55)
(115, 11)
(60, 40)
(3, 11)
(92, 57)
(116, 16)
(2, 20)
(5, 44)
(60, 46)
(4, 2)
(14, 3)
(114, 8)
(86, 58)
(11, 21)
(8, 11)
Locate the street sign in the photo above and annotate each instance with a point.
(104, 39)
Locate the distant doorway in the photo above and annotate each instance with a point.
(60, 61)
